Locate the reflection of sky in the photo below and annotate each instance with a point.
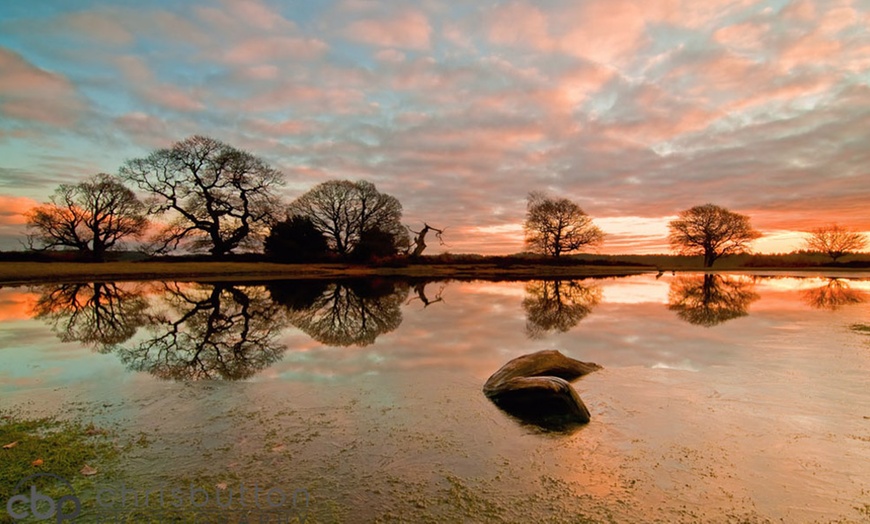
(759, 413)
(477, 326)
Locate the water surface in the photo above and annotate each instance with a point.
(723, 397)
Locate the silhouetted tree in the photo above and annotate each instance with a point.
(217, 196)
(835, 241)
(556, 305)
(100, 315)
(92, 216)
(833, 295)
(295, 240)
(707, 300)
(342, 313)
(711, 231)
(556, 226)
(343, 210)
(419, 243)
(209, 331)
(374, 243)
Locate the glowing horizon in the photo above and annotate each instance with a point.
(635, 112)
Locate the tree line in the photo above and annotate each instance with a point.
(210, 196)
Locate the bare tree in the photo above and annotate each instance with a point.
(556, 226)
(836, 292)
(557, 305)
(92, 216)
(707, 300)
(345, 312)
(419, 244)
(343, 210)
(208, 332)
(835, 241)
(219, 197)
(100, 315)
(711, 231)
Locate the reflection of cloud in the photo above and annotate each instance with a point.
(708, 300)
(837, 292)
(15, 304)
(557, 306)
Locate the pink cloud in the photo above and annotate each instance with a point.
(390, 56)
(747, 36)
(99, 26)
(282, 128)
(518, 24)
(408, 29)
(30, 93)
(269, 48)
(143, 82)
(606, 32)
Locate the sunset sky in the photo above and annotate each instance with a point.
(635, 110)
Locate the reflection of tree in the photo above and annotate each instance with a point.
(98, 315)
(710, 299)
(555, 305)
(834, 294)
(343, 313)
(205, 331)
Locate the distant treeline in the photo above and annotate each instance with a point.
(664, 262)
(205, 196)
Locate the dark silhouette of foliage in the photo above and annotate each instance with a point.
(711, 231)
(218, 197)
(219, 331)
(344, 211)
(707, 300)
(99, 315)
(295, 240)
(92, 216)
(342, 313)
(833, 295)
(557, 305)
(374, 243)
(556, 225)
(835, 241)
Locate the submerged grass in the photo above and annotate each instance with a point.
(46, 445)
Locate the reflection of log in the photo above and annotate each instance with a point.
(535, 389)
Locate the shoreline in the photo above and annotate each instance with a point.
(22, 273)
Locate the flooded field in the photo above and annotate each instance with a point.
(722, 398)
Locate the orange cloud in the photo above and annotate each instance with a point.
(13, 209)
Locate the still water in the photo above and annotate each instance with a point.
(722, 398)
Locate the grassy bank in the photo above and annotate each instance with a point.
(444, 266)
(31, 272)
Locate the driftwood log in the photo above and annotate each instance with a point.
(535, 388)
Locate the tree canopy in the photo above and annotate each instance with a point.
(295, 240)
(347, 212)
(835, 241)
(218, 197)
(556, 225)
(92, 216)
(711, 231)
